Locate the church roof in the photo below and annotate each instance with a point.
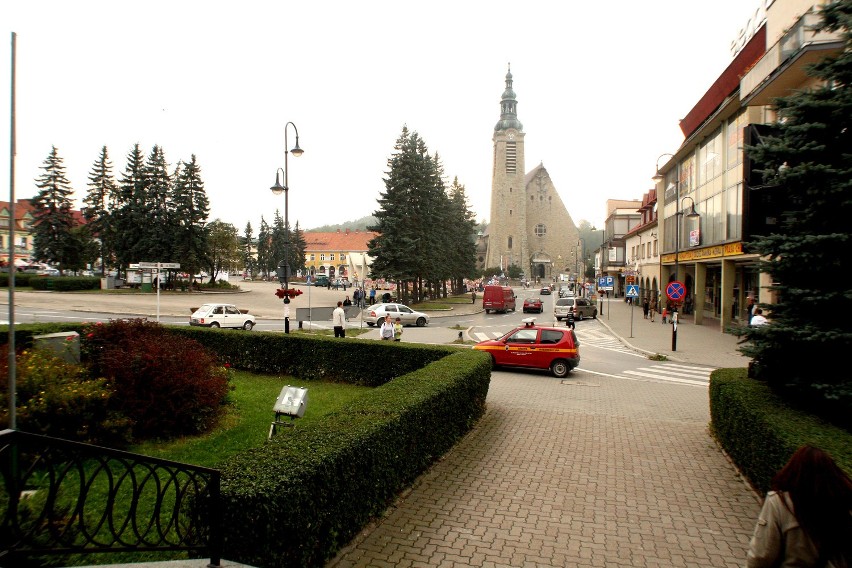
(508, 107)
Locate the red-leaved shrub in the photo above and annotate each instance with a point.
(167, 385)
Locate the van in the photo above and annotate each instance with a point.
(581, 307)
(498, 299)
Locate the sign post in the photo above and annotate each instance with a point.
(633, 294)
(675, 292)
(156, 267)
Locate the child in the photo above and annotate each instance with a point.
(397, 330)
(664, 314)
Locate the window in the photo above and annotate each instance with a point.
(322, 256)
(523, 336)
(540, 230)
(710, 158)
(551, 336)
(511, 157)
(313, 257)
(509, 243)
(342, 257)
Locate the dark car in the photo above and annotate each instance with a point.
(545, 291)
(533, 305)
(535, 347)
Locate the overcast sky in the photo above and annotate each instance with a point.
(600, 86)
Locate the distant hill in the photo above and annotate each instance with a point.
(359, 224)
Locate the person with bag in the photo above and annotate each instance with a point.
(386, 331)
(806, 519)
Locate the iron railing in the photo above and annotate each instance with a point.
(60, 497)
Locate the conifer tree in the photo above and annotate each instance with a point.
(129, 216)
(461, 257)
(190, 209)
(248, 259)
(101, 195)
(53, 241)
(808, 162)
(160, 222)
(263, 248)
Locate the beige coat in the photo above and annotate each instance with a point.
(778, 541)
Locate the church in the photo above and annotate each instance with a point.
(529, 225)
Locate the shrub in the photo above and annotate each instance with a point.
(64, 283)
(167, 385)
(60, 399)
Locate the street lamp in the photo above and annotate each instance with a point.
(603, 234)
(678, 214)
(284, 266)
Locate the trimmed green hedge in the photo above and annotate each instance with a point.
(302, 496)
(64, 283)
(760, 433)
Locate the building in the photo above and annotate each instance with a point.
(622, 216)
(529, 226)
(338, 254)
(642, 251)
(24, 218)
(708, 175)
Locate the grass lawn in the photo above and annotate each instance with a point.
(246, 423)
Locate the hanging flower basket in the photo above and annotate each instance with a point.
(288, 293)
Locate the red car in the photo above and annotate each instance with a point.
(535, 347)
(533, 305)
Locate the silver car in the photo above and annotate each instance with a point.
(375, 314)
(582, 308)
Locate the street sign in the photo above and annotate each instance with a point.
(676, 291)
(632, 290)
(158, 265)
(606, 283)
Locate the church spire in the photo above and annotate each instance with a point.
(509, 107)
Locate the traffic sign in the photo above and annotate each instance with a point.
(676, 291)
(632, 290)
(158, 265)
(606, 283)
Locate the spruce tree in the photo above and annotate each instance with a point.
(160, 222)
(129, 216)
(807, 161)
(53, 240)
(98, 200)
(248, 259)
(263, 248)
(190, 209)
(462, 228)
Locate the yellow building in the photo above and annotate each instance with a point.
(339, 254)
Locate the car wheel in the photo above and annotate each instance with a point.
(248, 325)
(421, 321)
(560, 368)
(379, 322)
(214, 324)
(370, 323)
(595, 314)
(487, 311)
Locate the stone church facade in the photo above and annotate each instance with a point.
(529, 224)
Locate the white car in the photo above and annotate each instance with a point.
(221, 315)
(377, 312)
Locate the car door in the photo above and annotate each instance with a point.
(545, 350)
(232, 317)
(520, 348)
(406, 315)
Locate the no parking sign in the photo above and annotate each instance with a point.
(676, 291)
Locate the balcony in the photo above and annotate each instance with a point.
(784, 66)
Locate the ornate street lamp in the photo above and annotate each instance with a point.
(283, 271)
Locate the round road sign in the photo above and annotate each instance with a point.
(676, 291)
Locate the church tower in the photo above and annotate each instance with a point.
(507, 232)
(529, 225)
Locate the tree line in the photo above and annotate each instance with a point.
(148, 214)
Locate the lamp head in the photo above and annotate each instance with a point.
(296, 151)
(658, 177)
(277, 189)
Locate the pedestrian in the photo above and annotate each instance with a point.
(758, 318)
(338, 319)
(653, 308)
(569, 319)
(806, 519)
(356, 297)
(397, 330)
(664, 313)
(347, 301)
(473, 297)
(646, 305)
(372, 295)
(750, 308)
(386, 331)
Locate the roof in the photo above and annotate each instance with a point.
(338, 241)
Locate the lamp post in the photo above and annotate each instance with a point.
(284, 266)
(603, 234)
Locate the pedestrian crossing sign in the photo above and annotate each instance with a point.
(632, 290)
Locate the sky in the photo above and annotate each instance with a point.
(601, 88)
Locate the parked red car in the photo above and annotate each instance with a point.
(556, 349)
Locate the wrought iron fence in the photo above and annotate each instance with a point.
(61, 497)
